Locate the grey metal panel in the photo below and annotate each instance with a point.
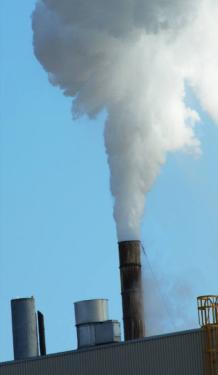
(98, 333)
(91, 311)
(85, 335)
(107, 332)
(176, 354)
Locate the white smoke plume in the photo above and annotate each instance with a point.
(170, 303)
(133, 58)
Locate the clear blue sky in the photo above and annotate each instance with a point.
(57, 234)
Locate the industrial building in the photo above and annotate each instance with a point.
(176, 354)
(100, 350)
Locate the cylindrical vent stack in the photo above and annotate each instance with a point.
(131, 289)
(24, 325)
(92, 324)
(91, 311)
(87, 314)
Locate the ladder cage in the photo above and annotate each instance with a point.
(208, 320)
(207, 310)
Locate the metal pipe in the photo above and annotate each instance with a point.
(41, 327)
(131, 289)
(24, 325)
(91, 311)
(89, 314)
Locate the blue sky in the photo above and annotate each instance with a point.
(57, 234)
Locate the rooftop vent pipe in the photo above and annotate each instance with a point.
(91, 311)
(41, 328)
(92, 324)
(24, 324)
(131, 289)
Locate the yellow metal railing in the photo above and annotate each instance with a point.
(208, 320)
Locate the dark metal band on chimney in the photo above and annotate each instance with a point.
(131, 289)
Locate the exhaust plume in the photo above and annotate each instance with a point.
(133, 58)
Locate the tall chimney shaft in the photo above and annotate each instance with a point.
(131, 289)
(24, 326)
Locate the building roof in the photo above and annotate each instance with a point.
(178, 353)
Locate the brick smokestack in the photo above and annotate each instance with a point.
(131, 289)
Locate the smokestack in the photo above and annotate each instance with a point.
(24, 324)
(131, 289)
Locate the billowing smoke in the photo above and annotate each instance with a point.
(134, 59)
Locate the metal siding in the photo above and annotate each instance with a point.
(177, 354)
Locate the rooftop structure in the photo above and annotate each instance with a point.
(100, 350)
(180, 353)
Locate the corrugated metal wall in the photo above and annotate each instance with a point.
(177, 354)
